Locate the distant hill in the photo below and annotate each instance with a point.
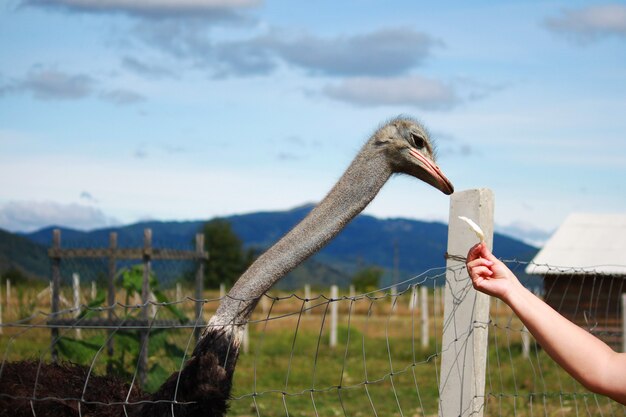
(21, 254)
(364, 242)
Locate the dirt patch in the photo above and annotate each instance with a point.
(30, 388)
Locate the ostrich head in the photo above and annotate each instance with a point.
(409, 150)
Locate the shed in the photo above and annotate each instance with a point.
(584, 269)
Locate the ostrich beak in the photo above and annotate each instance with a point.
(434, 176)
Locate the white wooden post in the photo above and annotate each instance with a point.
(413, 299)
(424, 319)
(437, 304)
(352, 291)
(94, 290)
(442, 299)
(624, 322)
(264, 304)
(307, 296)
(179, 292)
(153, 304)
(525, 343)
(246, 339)
(466, 311)
(75, 291)
(8, 294)
(76, 299)
(222, 291)
(394, 298)
(334, 295)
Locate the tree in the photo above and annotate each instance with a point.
(227, 258)
(15, 275)
(367, 279)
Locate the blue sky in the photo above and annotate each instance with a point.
(114, 111)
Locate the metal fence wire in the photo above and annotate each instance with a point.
(335, 353)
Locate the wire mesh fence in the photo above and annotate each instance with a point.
(379, 364)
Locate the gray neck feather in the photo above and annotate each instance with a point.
(355, 189)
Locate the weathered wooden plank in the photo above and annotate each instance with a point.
(105, 323)
(126, 253)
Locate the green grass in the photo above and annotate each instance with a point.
(377, 367)
(297, 374)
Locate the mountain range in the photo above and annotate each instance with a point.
(403, 248)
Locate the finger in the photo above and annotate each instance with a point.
(474, 252)
(480, 272)
(479, 262)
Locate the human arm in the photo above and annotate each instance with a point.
(589, 360)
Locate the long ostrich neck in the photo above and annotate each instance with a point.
(355, 189)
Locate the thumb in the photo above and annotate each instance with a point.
(486, 253)
(475, 252)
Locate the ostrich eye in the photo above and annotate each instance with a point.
(418, 140)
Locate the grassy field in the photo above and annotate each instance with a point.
(378, 367)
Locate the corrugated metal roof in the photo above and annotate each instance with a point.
(584, 243)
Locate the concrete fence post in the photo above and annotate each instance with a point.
(466, 311)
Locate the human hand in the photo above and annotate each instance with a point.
(488, 274)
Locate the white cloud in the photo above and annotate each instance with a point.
(25, 216)
(384, 52)
(122, 96)
(53, 84)
(145, 69)
(420, 92)
(50, 84)
(148, 8)
(590, 23)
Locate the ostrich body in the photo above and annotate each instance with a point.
(202, 387)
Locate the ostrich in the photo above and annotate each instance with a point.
(203, 386)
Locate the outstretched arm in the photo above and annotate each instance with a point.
(589, 360)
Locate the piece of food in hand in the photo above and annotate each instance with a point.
(475, 228)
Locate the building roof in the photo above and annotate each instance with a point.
(584, 243)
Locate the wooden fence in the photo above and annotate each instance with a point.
(113, 253)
